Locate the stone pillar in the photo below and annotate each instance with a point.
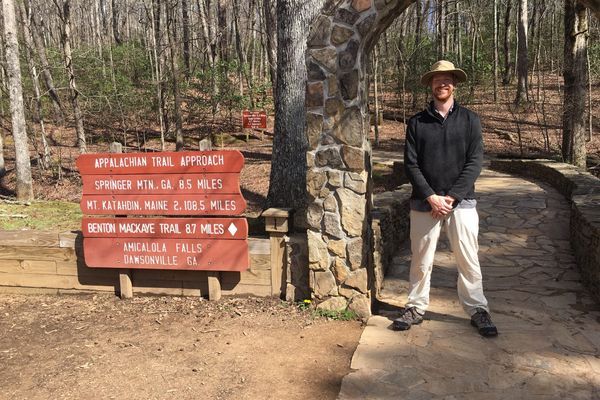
(338, 162)
(339, 156)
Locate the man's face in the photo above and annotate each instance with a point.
(442, 86)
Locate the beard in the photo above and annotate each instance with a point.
(443, 94)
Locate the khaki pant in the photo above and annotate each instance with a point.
(462, 228)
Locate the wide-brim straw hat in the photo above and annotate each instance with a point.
(443, 66)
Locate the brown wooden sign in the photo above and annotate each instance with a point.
(225, 204)
(164, 184)
(173, 228)
(254, 119)
(186, 162)
(221, 183)
(179, 254)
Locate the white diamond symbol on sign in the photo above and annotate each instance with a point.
(232, 229)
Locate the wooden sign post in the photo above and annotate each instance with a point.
(164, 184)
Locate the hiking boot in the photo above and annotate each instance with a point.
(409, 317)
(483, 322)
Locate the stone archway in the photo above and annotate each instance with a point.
(339, 154)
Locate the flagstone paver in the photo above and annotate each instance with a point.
(549, 341)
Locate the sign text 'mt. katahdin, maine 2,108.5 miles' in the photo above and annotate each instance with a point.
(174, 184)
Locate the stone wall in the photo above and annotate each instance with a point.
(297, 287)
(583, 189)
(390, 224)
(339, 154)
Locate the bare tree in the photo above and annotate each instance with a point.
(38, 114)
(495, 51)
(506, 78)
(441, 29)
(270, 24)
(45, 65)
(65, 15)
(240, 53)
(115, 22)
(173, 55)
(3, 89)
(418, 32)
(157, 54)
(13, 69)
(209, 33)
(576, 75)
(457, 32)
(185, 22)
(522, 57)
(2, 164)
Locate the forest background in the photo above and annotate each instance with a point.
(166, 74)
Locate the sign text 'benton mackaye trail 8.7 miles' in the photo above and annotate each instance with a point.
(158, 184)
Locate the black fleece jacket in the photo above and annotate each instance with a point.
(443, 157)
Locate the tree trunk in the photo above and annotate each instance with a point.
(457, 32)
(495, 51)
(74, 93)
(209, 32)
(115, 23)
(38, 115)
(440, 29)
(590, 98)
(401, 65)
(532, 21)
(13, 69)
(3, 89)
(446, 29)
(474, 53)
(45, 65)
(287, 185)
(171, 37)
(2, 164)
(417, 53)
(575, 75)
(506, 77)
(252, 28)
(185, 20)
(222, 29)
(522, 58)
(158, 64)
(99, 37)
(271, 41)
(376, 93)
(206, 32)
(241, 55)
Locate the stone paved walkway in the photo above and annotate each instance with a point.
(549, 341)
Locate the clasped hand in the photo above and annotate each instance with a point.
(440, 205)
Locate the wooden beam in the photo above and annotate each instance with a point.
(277, 262)
(276, 223)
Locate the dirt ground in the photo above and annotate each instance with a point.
(100, 347)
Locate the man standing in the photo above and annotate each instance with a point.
(443, 157)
